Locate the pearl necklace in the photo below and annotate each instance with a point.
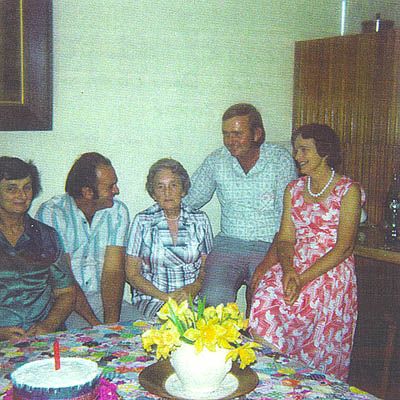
(323, 189)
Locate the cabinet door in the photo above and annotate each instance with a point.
(352, 84)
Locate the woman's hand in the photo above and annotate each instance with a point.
(292, 286)
(180, 295)
(270, 259)
(11, 332)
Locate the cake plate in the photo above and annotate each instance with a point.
(154, 377)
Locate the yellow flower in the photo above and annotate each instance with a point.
(245, 353)
(232, 310)
(164, 339)
(231, 335)
(210, 313)
(148, 338)
(205, 334)
(220, 311)
(209, 327)
(178, 310)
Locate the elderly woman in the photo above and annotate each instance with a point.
(167, 244)
(306, 304)
(37, 290)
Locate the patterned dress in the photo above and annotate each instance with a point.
(318, 328)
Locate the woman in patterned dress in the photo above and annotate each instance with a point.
(306, 305)
(167, 244)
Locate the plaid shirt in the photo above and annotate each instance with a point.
(252, 203)
(86, 243)
(167, 266)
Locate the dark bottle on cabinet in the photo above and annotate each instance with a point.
(393, 210)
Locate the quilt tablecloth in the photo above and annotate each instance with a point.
(118, 351)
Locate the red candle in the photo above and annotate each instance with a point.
(56, 349)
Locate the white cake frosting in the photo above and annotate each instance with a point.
(73, 372)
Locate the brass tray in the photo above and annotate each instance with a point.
(153, 379)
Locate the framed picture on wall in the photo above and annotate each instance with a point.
(26, 91)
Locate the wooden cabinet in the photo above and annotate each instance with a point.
(378, 296)
(375, 363)
(352, 83)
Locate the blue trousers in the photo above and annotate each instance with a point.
(230, 264)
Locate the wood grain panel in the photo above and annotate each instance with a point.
(352, 83)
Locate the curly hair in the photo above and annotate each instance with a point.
(326, 141)
(15, 168)
(174, 166)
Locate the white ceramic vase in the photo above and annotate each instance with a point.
(200, 372)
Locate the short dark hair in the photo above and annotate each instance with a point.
(255, 120)
(15, 168)
(326, 141)
(175, 167)
(83, 174)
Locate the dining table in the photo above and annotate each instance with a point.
(118, 350)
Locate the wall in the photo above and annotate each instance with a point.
(139, 80)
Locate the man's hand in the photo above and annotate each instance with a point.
(12, 332)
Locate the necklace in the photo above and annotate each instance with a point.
(323, 189)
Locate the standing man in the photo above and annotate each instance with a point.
(92, 226)
(249, 177)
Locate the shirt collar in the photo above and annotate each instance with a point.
(30, 232)
(159, 216)
(260, 163)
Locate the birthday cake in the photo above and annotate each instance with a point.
(77, 379)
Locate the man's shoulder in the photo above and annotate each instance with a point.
(118, 207)
(59, 201)
(120, 203)
(189, 212)
(275, 148)
(218, 154)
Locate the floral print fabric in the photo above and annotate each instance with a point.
(318, 328)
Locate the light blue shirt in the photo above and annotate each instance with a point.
(252, 203)
(86, 243)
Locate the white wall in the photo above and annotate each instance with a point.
(138, 80)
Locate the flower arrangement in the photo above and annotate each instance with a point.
(209, 327)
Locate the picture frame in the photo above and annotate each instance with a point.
(26, 90)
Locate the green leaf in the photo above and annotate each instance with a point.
(200, 308)
(175, 320)
(186, 340)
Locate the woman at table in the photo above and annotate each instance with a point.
(36, 285)
(168, 243)
(306, 305)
